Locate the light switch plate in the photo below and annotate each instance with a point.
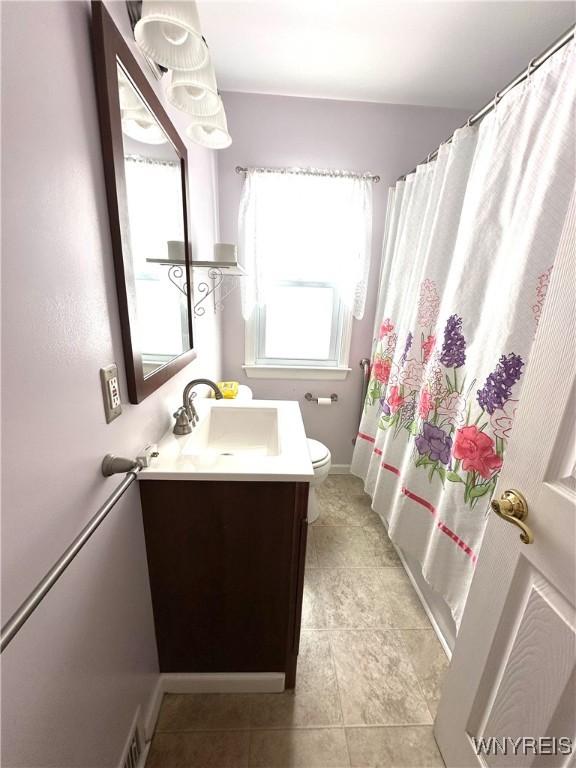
(110, 392)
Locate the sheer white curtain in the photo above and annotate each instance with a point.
(305, 227)
(468, 257)
(154, 196)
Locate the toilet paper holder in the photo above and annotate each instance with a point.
(311, 399)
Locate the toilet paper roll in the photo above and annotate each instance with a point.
(324, 401)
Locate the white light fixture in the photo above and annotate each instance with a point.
(195, 91)
(169, 33)
(211, 131)
(129, 99)
(141, 126)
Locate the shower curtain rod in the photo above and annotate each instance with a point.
(534, 64)
(313, 172)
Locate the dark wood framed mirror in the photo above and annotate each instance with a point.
(146, 172)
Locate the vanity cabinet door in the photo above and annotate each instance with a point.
(226, 566)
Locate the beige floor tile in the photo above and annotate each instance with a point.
(204, 711)
(393, 747)
(315, 700)
(203, 749)
(310, 748)
(353, 546)
(429, 661)
(354, 598)
(376, 681)
(311, 554)
(342, 501)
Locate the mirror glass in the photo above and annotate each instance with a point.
(155, 232)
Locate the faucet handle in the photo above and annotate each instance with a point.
(191, 410)
(182, 426)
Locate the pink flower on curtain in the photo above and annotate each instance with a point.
(395, 401)
(502, 419)
(453, 407)
(436, 382)
(391, 343)
(425, 404)
(386, 328)
(428, 304)
(381, 369)
(476, 449)
(428, 347)
(412, 374)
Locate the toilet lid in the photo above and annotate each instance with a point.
(318, 451)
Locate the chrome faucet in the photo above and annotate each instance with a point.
(186, 416)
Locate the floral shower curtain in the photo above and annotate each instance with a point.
(471, 239)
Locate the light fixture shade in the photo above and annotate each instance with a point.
(129, 99)
(195, 91)
(211, 131)
(141, 126)
(169, 33)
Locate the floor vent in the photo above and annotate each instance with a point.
(134, 751)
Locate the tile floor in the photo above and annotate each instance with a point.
(368, 672)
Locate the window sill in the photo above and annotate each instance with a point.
(295, 372)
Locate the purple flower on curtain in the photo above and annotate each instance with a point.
(434, 442)
(409, 410)
(498, 386)
(384, 406)
(407, 346)
(453, 353)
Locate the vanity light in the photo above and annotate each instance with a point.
(138, 124)
(211, 131)
(129, 99)
(169, 33)
(195, 91)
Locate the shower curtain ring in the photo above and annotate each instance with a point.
(469, 121)
(497, 98)
(531, 68)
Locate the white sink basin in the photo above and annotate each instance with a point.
(236, 430)
(237, 440)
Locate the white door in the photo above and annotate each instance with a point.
(513, 672)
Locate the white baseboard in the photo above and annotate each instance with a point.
(136, 724)
(340, 469)
(217, 682)
(153, 710)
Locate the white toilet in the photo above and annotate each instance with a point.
(321, 463)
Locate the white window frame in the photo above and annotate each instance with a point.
(257, 366)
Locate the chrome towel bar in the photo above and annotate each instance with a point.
(365, 365)
(27, 608)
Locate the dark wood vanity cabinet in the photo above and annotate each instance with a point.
(226, 564)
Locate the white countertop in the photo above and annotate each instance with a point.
(248, 440)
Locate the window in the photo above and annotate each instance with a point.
(305, 244)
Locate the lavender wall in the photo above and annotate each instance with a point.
(283, 131)
(74, 676)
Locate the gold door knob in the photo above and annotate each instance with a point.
(513, 507)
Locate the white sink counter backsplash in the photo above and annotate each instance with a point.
(252, 440)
